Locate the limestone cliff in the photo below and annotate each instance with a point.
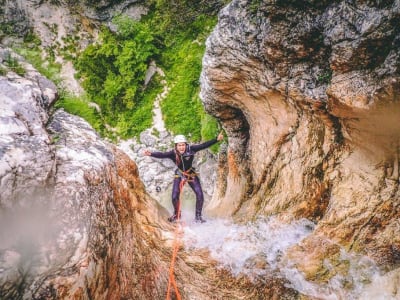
(308, 92)
(68, 201)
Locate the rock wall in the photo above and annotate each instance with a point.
(71, 205)
(75, 220)
(308, 92)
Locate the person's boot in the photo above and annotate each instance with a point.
(174, 218)
(199, 219)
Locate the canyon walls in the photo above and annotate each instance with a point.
(308, 93)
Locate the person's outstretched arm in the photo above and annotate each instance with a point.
(156, 154)
(208, 143)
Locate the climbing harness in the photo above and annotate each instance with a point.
(187, 175)
(177, 234)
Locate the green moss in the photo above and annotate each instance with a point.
(14, 65)
(48, 68)
(80, 106)
(3, 71)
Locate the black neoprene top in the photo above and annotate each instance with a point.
(186, 159)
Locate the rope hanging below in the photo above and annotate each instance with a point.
(176, 245)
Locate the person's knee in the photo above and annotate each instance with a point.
(175, 197)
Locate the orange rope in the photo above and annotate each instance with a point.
(178, 230)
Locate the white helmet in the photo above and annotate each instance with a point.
(180, 139)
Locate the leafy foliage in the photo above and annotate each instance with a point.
(81, 106)
(209, 129)
(182, 108)
(114, 70)
(140, 117)
(179, 15)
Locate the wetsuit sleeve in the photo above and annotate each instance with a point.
(204, 145)
(169, 154)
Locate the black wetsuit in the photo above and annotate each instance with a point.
(184, 164)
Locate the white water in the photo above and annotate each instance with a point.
(258, 248)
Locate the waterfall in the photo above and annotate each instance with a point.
(259, 248)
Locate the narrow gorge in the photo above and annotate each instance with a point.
(309, 96)
(306, 204)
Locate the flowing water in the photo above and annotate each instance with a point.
(258, 248)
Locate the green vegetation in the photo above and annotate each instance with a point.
(182, 108)
(69, 50)
(112, 71)
(13, 64)
(2, 71)
(254, 5)
(32, 39)
(49, 68)
(325, 77)
(6, 29)
(209, 128)
(140, 117)
(82, 107)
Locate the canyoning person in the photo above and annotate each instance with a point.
(182, 155)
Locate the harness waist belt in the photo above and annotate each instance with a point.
(188, 174)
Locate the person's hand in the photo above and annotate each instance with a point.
(220, 136)
(147, 152)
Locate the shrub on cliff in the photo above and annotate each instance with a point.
(113, 70)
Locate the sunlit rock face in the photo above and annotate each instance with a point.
(308, 93)
(74, 217)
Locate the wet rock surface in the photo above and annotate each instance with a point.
(309, 96)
